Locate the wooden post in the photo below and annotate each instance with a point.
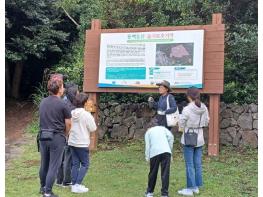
(214, 105)
(92, 62)
(94, 97)
(213, 136)
(217, 19)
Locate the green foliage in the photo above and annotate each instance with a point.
(32, 28)
(241, 65)
(33, 127)
(72, 64)
(40, 93)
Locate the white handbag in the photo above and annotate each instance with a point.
(173, 118)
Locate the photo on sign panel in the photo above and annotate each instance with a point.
(174, 54)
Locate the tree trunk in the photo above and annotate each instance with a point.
(7, 80)
(17, 79)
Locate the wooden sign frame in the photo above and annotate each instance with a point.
(213, 68)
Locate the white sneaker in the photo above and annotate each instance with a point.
(79, 188)
(195, 190)
(186, 192)
(148, 194)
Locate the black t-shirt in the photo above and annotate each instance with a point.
(53, 112)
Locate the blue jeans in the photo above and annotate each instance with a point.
(193, 163)
(80, 163)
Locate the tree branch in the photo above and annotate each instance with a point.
(70, 17)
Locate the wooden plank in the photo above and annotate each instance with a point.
(216, 18)
(213, 68)
(215, 34)
(168, 28)
(214, 47)
(214, 75)
(214, 61)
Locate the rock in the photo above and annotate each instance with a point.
(255, 131)
(119, 131)
(236, 116)
(127, 113)
(101, 114)
(102, 106)
(101, 131)
(255, 116)
(118, 109)
(222, 107)
(139, 123)
(108, 122)
(117, 119)
(131, 132)
(129, 121)
(106, 112)
(255, 124)
(253, 108)
(134, 107)
(246, 108)
(220, 118)
(227, 113)
(139, 133)
(232, 131)
(237, 108)
(112, 114)
(225, 123)
(237, 138)
(112, 110)
(249, 138)
(245, 121)
(225, 138)
(231, 105)
(233, 122)
(113, 103)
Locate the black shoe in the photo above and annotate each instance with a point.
(42, 190)
(66, 184)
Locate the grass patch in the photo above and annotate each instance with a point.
(119, 170)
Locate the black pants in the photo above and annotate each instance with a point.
(164, 159)
(51, 157)
(64, 171)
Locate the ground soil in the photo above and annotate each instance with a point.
(17, 116)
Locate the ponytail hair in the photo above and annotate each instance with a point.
(194, 94)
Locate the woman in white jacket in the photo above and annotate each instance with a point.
(79, 139)
(194, 117)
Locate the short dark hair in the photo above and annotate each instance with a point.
(81, 99)
(53, 86)
(71, 90)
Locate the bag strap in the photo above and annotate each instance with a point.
(167, 102)
(193, 129)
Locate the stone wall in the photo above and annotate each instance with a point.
(238, 124)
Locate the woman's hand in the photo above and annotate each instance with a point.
(150, 99)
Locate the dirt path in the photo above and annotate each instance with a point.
(17, 117)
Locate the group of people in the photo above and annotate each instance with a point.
(159, 140)
(64, 138)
